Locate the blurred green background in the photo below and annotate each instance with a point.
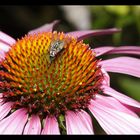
(18, 20)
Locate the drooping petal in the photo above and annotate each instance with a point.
(51, 126)
(1, 95)
(125, 65)
(3, 49)
(6, 39)
(106, 80)
(117, 50)
(45, 28)
(78, 123)
(121, 97)
(33, 126)
(14, 124)
(5, 109)
(2, 55)
(102, 50)
(1, 102)
(125, 50)
(113, 103)
(114, 121)
(1, 99)
(80, 35)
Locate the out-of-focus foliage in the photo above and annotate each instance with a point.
(131, 86)
(125, 17)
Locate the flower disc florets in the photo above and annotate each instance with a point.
(50, 73)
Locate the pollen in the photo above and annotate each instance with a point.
(49, 73)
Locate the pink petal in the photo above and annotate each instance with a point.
(106, 80)
(51, 126)
(102, 50)
(125, 50)
(45, 28)
(114, 121)
(1, 99)
(5, 109)
(117, 50)
(33, 126)
(6, 39)
(78, 123)
(2, 55)
(112, 103)
(80, 35)
(1, 103)
(125, 65)
(3, 49)
(14, 124)
(121, 97)
(1, 95)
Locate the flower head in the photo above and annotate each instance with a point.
(53, 83)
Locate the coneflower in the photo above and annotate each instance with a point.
(53, 83)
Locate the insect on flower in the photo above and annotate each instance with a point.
(55, 47)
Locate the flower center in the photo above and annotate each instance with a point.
(50, 73)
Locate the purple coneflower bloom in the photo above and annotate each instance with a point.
(53, 83)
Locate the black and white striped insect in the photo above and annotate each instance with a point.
(55, 47)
